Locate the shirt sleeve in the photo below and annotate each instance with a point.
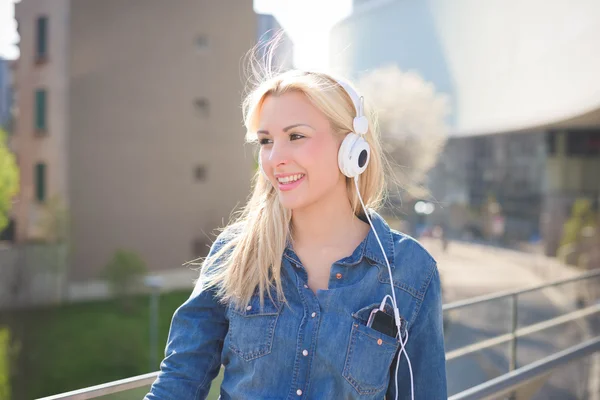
(193, 350)
(425, 348)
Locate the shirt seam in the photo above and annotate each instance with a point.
(427, 285)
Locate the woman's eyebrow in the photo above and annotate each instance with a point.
(287, 128)
(297, 125)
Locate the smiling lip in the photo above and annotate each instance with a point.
(288, 186)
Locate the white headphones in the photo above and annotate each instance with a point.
(353, 158)
(354, 153)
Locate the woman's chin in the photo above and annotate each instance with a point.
(291, 202)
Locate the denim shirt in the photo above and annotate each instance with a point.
(318, 347)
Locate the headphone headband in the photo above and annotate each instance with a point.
(357, 100)
(360, 123)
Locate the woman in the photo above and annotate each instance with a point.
(286, 295)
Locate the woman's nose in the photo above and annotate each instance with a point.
(278, 155)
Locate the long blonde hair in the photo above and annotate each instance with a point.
(254, 241)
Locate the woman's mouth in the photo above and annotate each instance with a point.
(290, 182)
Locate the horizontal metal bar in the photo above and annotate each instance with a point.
(93, 392)
(527, 330)
(508, 293)
(511, 381)
(147, 379)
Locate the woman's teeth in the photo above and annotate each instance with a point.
(290, 179)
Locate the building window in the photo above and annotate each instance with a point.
(200, 173)
(551, 143)
(583, 142)
(201, 43)
(41, 45)
(40, 109)
(40, 182)
(202, 106)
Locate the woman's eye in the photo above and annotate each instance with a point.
(296, 136)
(264, 141)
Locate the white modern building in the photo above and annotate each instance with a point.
(525, 70)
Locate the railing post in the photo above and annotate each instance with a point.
(513, 342)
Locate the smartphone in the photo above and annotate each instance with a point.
(382, 322)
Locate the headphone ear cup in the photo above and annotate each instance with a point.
(344, 154)
(361, 154)
(354, 155)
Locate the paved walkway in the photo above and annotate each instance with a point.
(469, 270)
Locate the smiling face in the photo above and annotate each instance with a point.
(298, 151)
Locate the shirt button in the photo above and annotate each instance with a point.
(305, 352)
(338, 275)
(305, 286)
(314, 314)
(249, 308)
(299, 392)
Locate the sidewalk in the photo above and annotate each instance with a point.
(469, 270)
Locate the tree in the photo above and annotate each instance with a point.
(124, 274)
(9, 180)
(54, 221)
(411, 116)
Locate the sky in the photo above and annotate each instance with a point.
(8, 30)
(307, 22)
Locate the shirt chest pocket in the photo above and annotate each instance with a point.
(369, 355)
(251, 330)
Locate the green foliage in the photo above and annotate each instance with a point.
(75, 346)
(54, 222)
(582, 216)
(4, 363)
(80, 345)
(124, 272)
(9, 180)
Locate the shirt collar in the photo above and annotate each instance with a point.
(372, 249)
(368, 248)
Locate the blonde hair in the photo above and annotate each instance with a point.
(254, 241)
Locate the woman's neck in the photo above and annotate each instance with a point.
(330, 223)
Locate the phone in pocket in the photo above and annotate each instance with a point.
(382, 322)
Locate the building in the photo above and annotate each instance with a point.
(129, 114)
(524, 90)
(268, 28)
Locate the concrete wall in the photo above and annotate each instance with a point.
(32, 275)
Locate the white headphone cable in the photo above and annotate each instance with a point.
(396, 312)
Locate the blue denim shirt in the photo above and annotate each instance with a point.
(319, 347)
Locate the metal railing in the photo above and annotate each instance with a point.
(515, 333)
(493, 388)
(509, 383)
(107, 388)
